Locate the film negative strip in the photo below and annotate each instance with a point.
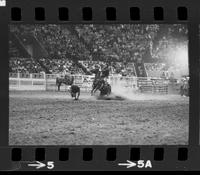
(99, 85)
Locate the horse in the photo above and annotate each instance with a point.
(101, 85)
(68, 80)
(97, 81)
(96, 85)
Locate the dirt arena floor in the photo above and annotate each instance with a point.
(53, 118)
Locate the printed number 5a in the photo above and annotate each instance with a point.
(143, 164)
(50, 165)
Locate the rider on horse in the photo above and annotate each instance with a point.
(100, 79)
(105, 72)
(96, 71)
(105, 88)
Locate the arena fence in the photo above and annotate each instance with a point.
(153, 86)
(47, 82)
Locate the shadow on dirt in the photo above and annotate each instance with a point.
(110, 97)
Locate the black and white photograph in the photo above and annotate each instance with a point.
(98, 84)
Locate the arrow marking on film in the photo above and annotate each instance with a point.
(37, 165)
(129, 164)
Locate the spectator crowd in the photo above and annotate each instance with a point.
(125, 47)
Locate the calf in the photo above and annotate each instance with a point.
(75, 91)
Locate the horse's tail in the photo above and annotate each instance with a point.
(109, 89)
(78, 94)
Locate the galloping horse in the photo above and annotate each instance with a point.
(68, 80)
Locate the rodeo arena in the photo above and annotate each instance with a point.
(117, 84)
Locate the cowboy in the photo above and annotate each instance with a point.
(105, 72)
(96, 71)
(64, 71)
(183, 86)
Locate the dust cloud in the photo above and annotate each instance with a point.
(133, 93)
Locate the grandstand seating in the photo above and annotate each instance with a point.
(58, 41)
(154, 69)
(140, 70)
(116, 67)
(53, 48)
(16, 47)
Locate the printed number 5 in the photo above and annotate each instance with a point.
(50, 165)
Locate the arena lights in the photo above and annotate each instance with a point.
(176, 55)
(181, 59)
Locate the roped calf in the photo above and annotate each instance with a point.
(75, 91)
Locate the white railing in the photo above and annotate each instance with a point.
(42, 81)
(26, 81)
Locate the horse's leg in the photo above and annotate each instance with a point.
(71, 94)
(92, 91)
(109, 90)
(77, 95)
(100, 86)
(181, 91)
(97, 87)
(58, 86)
(93, 88)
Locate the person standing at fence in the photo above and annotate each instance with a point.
(163, 75)
(64, 71)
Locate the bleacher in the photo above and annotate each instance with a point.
(154, 69)
(54, 49)
(61, 42)
(140, 70)
(115, 67)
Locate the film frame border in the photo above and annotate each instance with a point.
(99, 162)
